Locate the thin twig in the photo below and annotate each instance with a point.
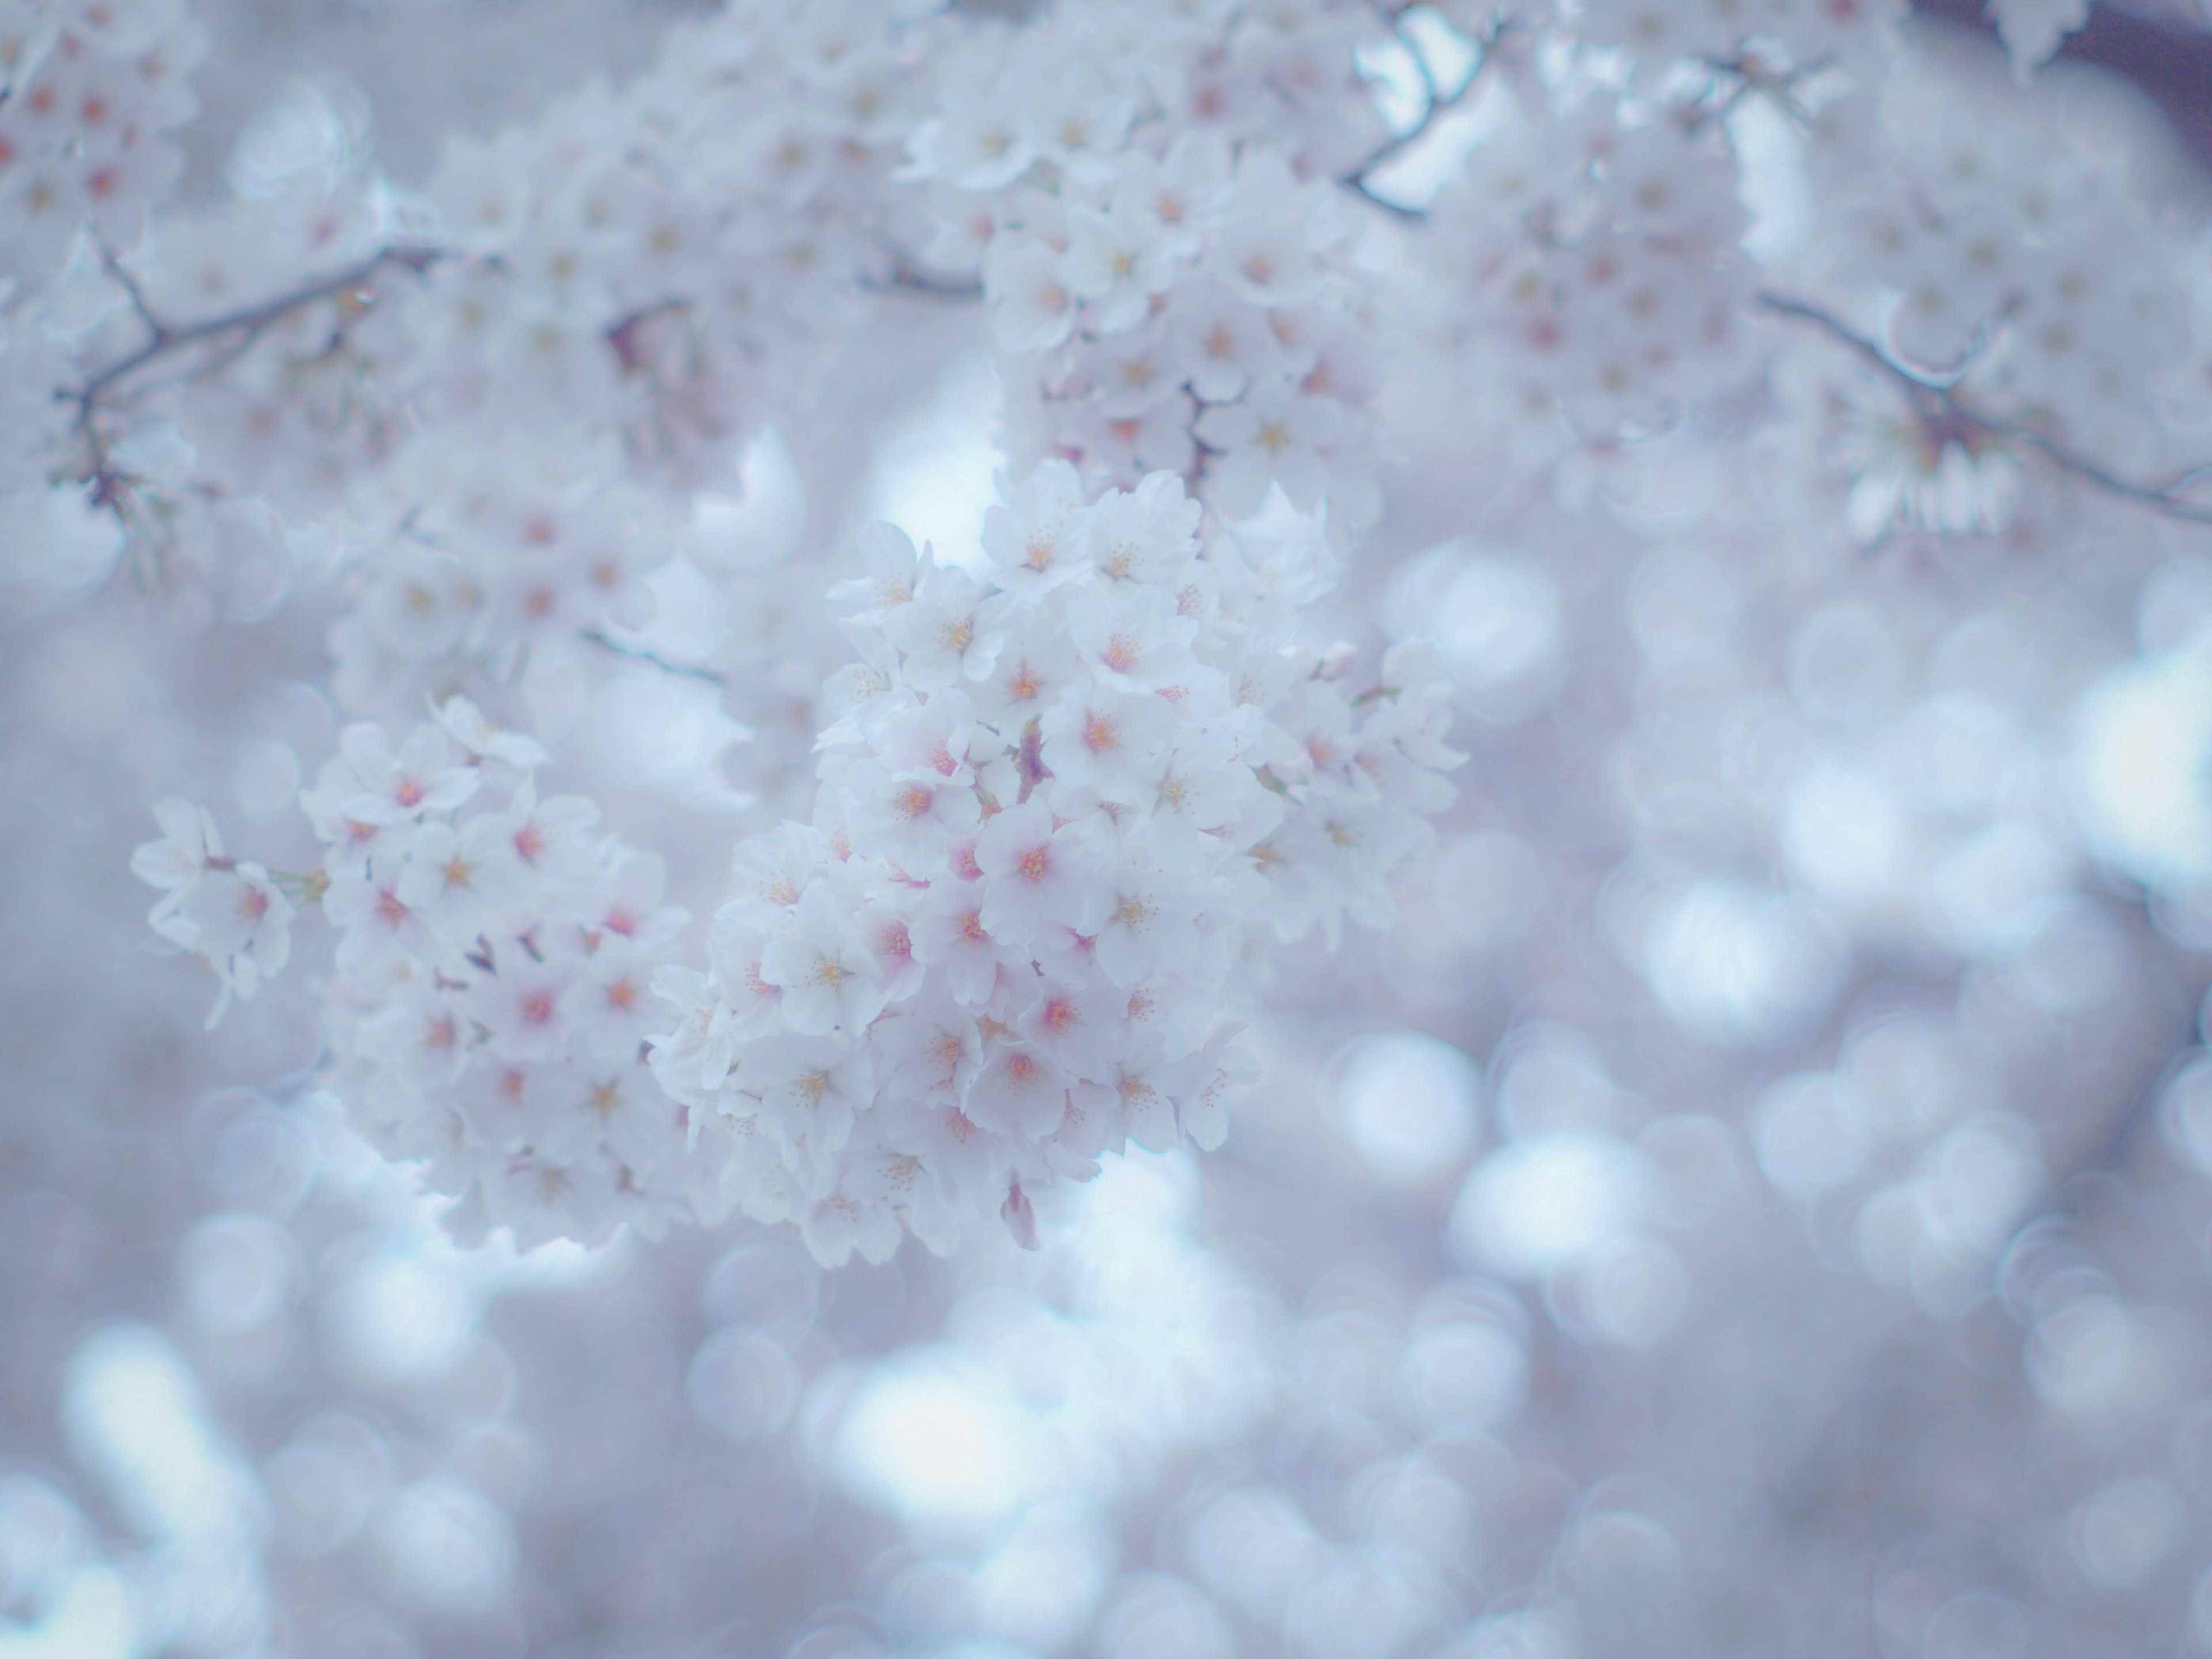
(606, 642)
(1783, 306)
(1937, 399)
(251, 321)
(128, 283)
(2082, 467)
(1436, 102)
(1779, 87)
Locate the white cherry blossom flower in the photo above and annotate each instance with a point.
(1132, 639)
(1103, 740)
(809, 1089)
(947, 635)
(1033, 299)
(828, 976)
(416, 780)
(1038, 871)
(1020, 1092)
(1036, 539)
(1117, 260)
(1275, 435)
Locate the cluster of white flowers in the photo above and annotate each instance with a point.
(489, 1004)
(1827, 902)
(1166, 256)
(1980, 257)
(1764, 39)
(597, 282)
(653, 252)
(230, 914)
(663, 267)
(494, 574)
(1931, 293)
(89, 90)
(1073, 783)
(1066, 794)
(1600, 265)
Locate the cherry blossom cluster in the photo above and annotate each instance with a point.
(629, 238)
(1068, 794)
(1766, 42)
(1596, 267)
(90, 92)
(1792, 425)
(191, 383)
(231, 914)
(1944, 323)
(494, 574)
(653, 250)
(1978, 257)
(663, 267)
(491, 997)
(490, 994)
(1151, 203)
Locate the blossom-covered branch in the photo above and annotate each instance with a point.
(1945, 419)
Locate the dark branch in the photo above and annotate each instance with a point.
(906, 278)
